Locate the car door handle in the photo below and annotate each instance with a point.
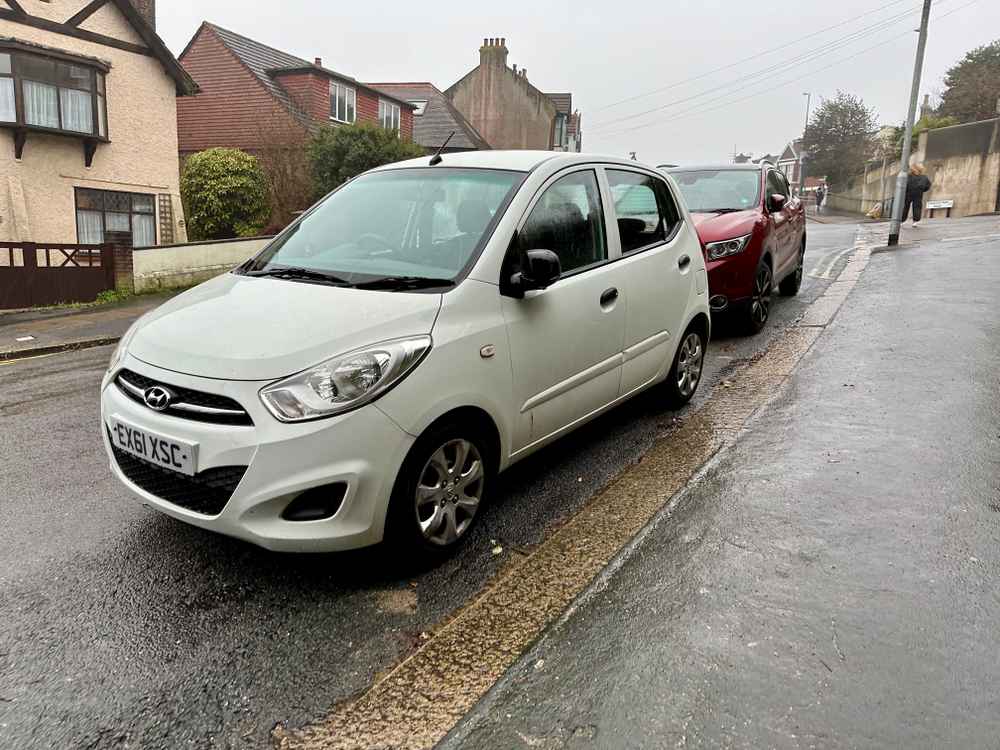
(608, 296)
(683, 262)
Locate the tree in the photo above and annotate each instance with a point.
(972, 87)
(838, 138)
(225, 194)
(336, 154)
(282, 156)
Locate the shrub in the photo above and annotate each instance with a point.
(225, 194)
(336, 154)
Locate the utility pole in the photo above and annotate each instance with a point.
(802, 154)
(904, 161)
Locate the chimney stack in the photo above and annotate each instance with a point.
(318, 62)
(493, 52)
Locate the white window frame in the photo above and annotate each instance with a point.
(388, 115)
(350, 103)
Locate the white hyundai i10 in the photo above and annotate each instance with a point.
(420, 329)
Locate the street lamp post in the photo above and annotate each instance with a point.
(904, 161)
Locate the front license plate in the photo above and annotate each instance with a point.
(170, 453)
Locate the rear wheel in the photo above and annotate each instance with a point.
(790, 284)
(439, 490)
(758, 308)
(685, 373)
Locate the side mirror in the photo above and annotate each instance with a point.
(539, 269)
(777, 201)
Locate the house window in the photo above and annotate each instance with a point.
(560, 134)
(8, 110)
(109, 216)
(388, 115)
(55, 94)
(420, 104)
(343, 103)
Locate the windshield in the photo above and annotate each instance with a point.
(406, 223)
(711, 190)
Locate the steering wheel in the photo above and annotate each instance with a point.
(372, 242)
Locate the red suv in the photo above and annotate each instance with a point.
(753, 235)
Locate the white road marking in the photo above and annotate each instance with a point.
(827, 266)
(971, 237)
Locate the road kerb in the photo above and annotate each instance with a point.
(419, 701)
(64, 346)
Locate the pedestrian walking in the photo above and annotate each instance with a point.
(917, 183)
(820, 195)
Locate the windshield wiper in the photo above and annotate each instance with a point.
(404, 282)
(717, 210)
(294, 272)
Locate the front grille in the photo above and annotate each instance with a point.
(187, 403)
(207, 492)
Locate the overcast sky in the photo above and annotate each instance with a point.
(618, 50)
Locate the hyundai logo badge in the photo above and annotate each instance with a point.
(157, 398)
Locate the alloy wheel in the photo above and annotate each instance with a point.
(449, 491)
(760, 302)
(689, 362)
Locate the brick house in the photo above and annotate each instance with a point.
(88, 138)
(251, 93)
(566, 130)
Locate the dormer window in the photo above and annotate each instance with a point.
(52, 93)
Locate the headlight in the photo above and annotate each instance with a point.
(344, 382)
(716, 250)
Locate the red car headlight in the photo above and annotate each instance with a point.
(724, 248)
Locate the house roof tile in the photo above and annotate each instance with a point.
(439, 119)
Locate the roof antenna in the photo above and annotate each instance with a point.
(436, 159)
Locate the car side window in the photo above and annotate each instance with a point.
(642, 215)
(786, 189)
(568, 220)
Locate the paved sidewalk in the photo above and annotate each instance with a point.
(830, 581)
(62, 329)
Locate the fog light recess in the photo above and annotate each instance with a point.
(718, 302)
(316, 504)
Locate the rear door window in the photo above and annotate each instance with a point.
(644, 216)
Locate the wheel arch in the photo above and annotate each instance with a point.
(482, 420)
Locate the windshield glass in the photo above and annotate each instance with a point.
(710, 190)
(425, 223)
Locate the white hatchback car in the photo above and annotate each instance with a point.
(421, 328)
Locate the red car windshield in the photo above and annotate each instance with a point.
(713, 190)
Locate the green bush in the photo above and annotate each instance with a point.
(224, 191)
(336, 154)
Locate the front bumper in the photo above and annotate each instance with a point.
(362, 449)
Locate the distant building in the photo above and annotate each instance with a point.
(566, 131)
(252, 94)
(507, 110)
(742, 158)
(790, 162)
(435, 118)
(769, 158)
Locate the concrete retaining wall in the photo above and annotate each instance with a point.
(183, 265)
(962, 162)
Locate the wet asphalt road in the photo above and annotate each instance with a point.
(121, 627)
(831, 580)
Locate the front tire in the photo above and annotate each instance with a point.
(685, 373)
(439, 490)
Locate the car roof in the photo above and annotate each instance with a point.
(521, 161)
(720, 167)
